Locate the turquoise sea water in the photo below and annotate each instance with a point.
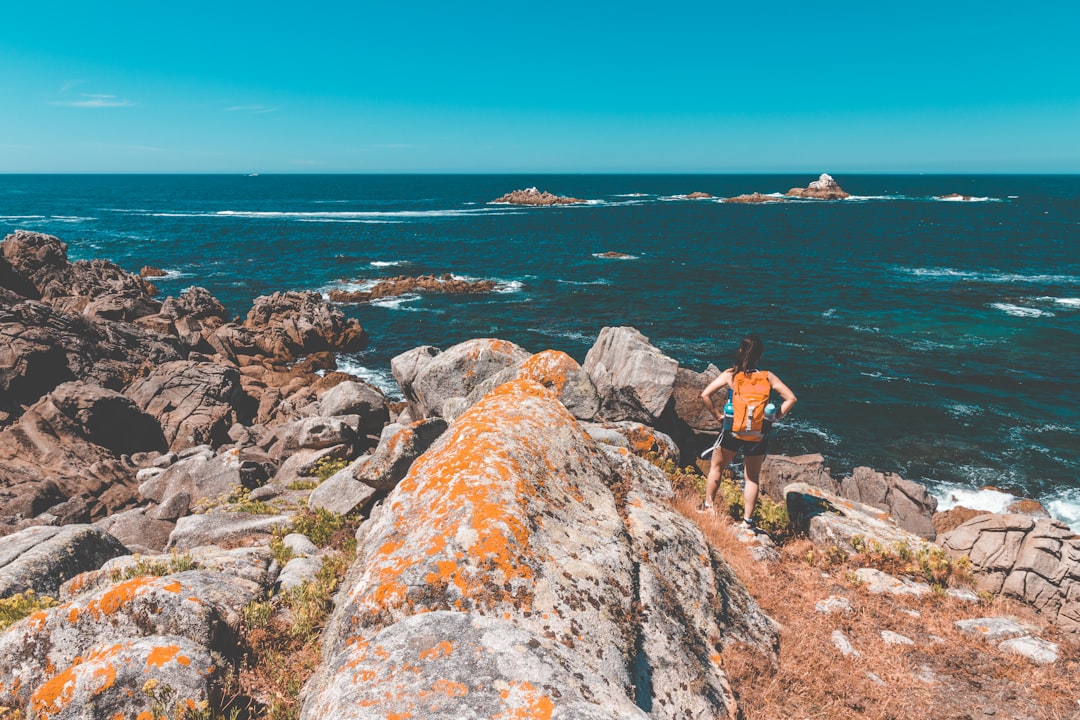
(937, 339)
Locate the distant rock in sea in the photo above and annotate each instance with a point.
(754, 198)
(699, 196)
(614, 255)
(401, 284)
(824, 188)
(151, 271)
(955, 196)
(532, 196)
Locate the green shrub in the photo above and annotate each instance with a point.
(319, 525)
(327, 467)
(176, 562)
(15, 608)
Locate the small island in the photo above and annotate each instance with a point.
(824, 188)
(699, 196)
(614, 255)
(532, 196)
(402, 284)
(754, 198)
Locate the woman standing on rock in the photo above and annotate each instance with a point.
(745, 423)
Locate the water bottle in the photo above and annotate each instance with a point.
(729, 416)
(771, 412)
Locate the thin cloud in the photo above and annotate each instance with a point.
(253, 109)
(96, 101)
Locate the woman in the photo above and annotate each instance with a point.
(744, 381)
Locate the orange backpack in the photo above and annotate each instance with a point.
(749, 395)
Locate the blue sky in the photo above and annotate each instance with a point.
(540, 87)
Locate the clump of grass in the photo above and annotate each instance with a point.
(282, 552)
(15, 608)
(240, 501)
(683, 479)
(176, 562)
(326, 467)
(932, 564)
(320, 525)
(303, 485)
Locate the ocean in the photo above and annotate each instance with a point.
(938, 339)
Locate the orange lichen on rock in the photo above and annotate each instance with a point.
(550, 368)
(526, 702)
(55, 694)
(161, 655)
(442, 649)
(118, 596)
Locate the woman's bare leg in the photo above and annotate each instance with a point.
(721, 458)
(752, 471)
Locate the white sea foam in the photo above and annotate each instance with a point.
(995, 501)
(331, 216)
(1065, 506)
(1067, 302)
(1019, 311)
(22, 217)
(966, 198)
(865, 329)
(511, 286)
(397, 302)
(381, 379)
(388, 263)
(992, 277)
(584, 282)
(830, 313)
(875, 197)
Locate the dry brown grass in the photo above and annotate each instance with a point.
(944, 675)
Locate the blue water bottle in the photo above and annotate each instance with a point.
(771, 411)
(729, 416)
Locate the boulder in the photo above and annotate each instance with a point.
(430, 378)
(688, 403)
(824, 188)
(908, 502)
(42, 347)
(193, 316)
(309, 433)
(293, 324)
(555, 370)
(43, 558)
(225, 528)
(503, 555)
(341, 493)
(834, 521)
(1035, 560)
(639, 439)
(195, 402)
(63, 454)
(138, 530)
(634, 379)
(357, 398)
(117, 678)
(397, 451)
(779, 471)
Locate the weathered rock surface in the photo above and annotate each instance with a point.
(824, 188)
(556, 371)
(532, 196)
(62, 456)
(445, 284)
(779, 471)
(294, 324)
(832, 520)
(224, 528)
(397, 451)
(42, 558)
(639, 439)
(195, 402)
(357, 398)
(430, 378)
(699, 196)
(505, 542)
(688, 404)
(341, 493)
(635, 379)
(908, 502)
(1034, 560)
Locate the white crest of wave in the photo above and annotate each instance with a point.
(1067, 302)
(994, 501)
(987, 276)
(387, 263)
(1019, 311)
(966, 198)
(1065, 506)
(584, 282)
(381, 379)
(396, 303)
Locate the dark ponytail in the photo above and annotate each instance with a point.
(749, 353)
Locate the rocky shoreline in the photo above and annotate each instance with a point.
(164, 470)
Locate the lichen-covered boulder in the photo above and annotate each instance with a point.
(639, 439)
(201, 606)
(220, 527)
(430, 379)
(128, 679)
(513, 523)
(555, 370)
(42, 558)
(634, 378)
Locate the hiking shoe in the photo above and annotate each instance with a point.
(704, 508)
(748, 524)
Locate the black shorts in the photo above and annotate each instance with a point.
(750, 448)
